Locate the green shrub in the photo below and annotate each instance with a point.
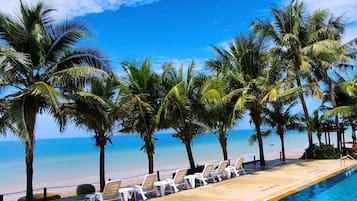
(321, 152)
(85, 189)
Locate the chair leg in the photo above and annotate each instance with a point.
(213, 176)
(235, 173)
(143, 196)
(175, 188)
(200, 178)
(204, 181)
(157, 192)
(228, 173)
(140, 191)
(98, 197)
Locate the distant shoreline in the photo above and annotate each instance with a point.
(166, 173)
(12, 137)
(74, 161)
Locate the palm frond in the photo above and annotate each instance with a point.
(344, 111)
(78, 57)
(75, 76)
(253, 138)
(21, 112)
(49, 93)
(350, 88)
(64, 36)
(6, 124)
(14, 66)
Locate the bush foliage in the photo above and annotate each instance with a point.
(85, 189)
(321, 152)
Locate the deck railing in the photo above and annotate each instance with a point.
(347, 157)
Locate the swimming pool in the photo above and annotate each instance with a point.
(337, 188)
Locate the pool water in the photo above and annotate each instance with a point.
(338, 188)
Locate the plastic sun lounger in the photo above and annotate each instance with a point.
(110, 192)
(219, 172)
(147, 186)
(205, 175)
(178, 180)
(238, 166)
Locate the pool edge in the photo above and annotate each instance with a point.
(289, 190)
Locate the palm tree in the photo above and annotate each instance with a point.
(278, 115)
(246, 63)
(182, 104)
(94, 109)
(46, 65)
(331, 62)
(140, 97)
(299, 41)
(218, 115)
(328, 29)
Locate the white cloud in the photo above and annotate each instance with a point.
(67, 9)
(159, 61)
(342, 7)
(346, 8)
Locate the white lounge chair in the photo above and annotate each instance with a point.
(147, 186)
(205, 175)
(178, 180)
(219, 171)
(238, 166)
(110, 192)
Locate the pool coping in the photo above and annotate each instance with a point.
(301, 184)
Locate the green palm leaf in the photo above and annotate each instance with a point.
(44, 90)
(75, 75)
(344, 111)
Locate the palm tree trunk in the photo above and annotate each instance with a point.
(149, 147)
(282, 147)
(256, 119)
(281, 135)
(29, 168)
(151, 162)
(319, 138)
(332, 95)
(306, 113)
(190, 155)
(334, 104)
(31, 110)
(102, 167)
(222, 137)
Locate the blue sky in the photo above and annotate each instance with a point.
(167, 30)
(172, 29)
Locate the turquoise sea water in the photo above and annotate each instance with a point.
(70, 161)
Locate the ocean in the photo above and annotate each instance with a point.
(72, 161)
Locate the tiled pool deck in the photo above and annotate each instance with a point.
(272, 183)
